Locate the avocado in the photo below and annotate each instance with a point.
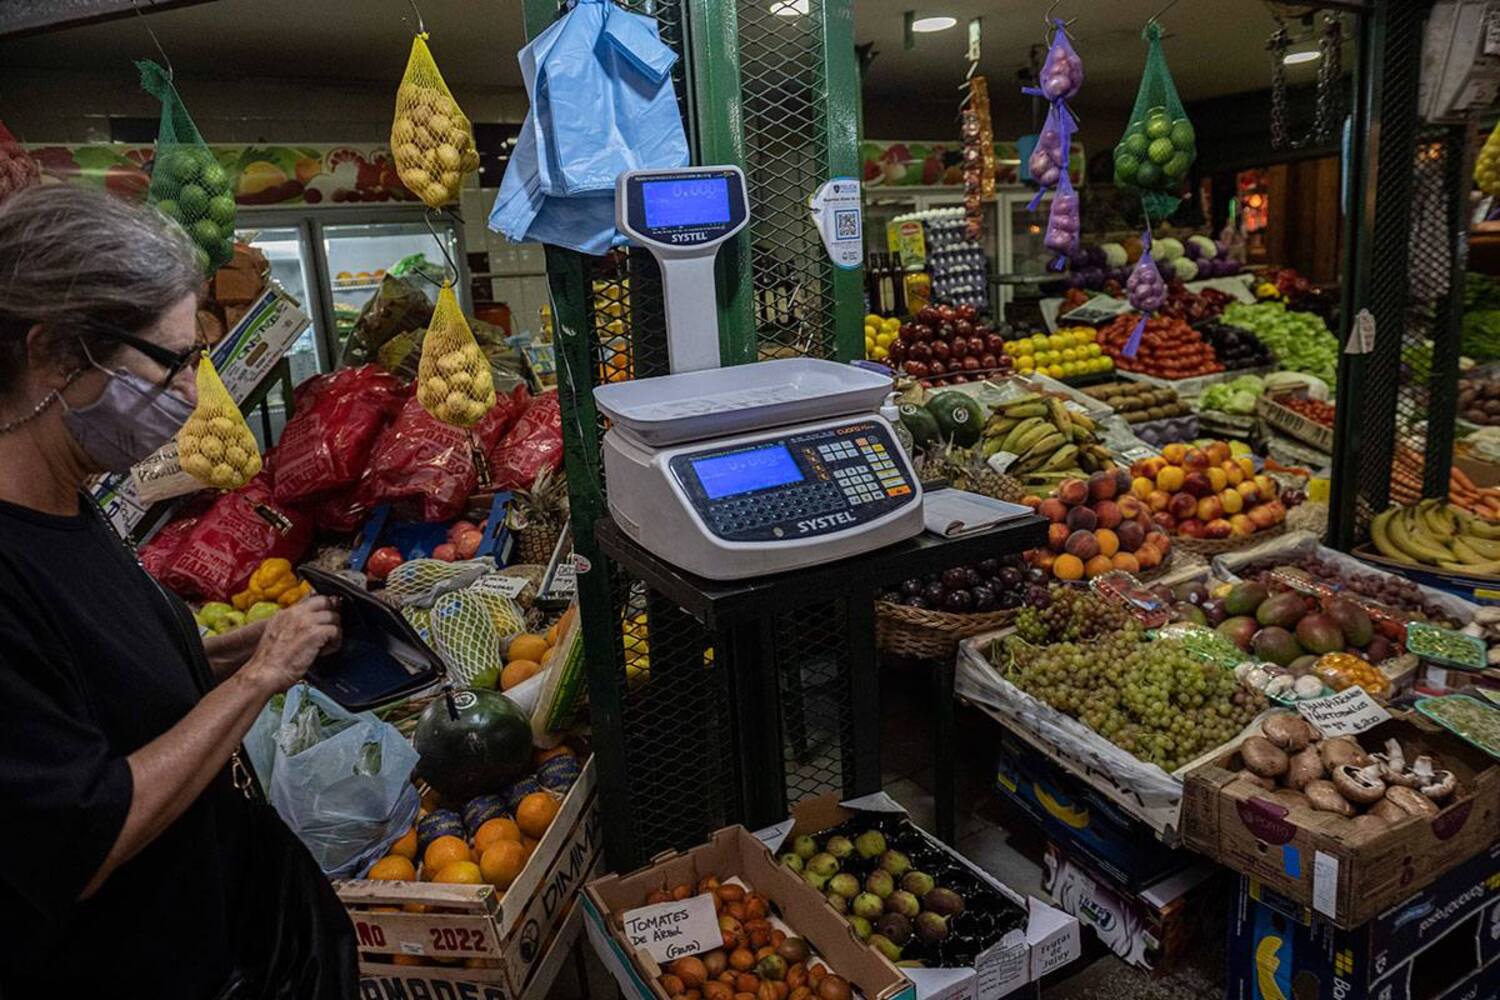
(1352, 621)
(1318, 634)
(1284, 609)
(1244, 598)
(959, 417)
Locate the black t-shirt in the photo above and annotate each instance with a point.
(93, 666)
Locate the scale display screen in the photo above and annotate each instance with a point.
(743, 471)
(694, 201)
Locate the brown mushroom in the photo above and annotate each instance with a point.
(1289, 732)
(1393, 765)
(1255, 779)
(1263, 757)
(1342, 750)
(1290, 799)
(1387, 810)
(1411, 801)
(1325, 797)
(1360, 785)
(1435, 783)
(1304, 766)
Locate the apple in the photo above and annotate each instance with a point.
(1183, 506)
(1165, 520)
(971, 364)
(947, 313)
(1197, 484)
(1262, 517)
(941, 350)
(959, 347)
(928, 316)
(966, 312)
(937, 367)
(994, 343)
(909, 333)
(1192, 527)
(1209, 509)
(916, 369)
(964, 328)
(382, 561)
(458, 528)
(976, 344)
(989, 360)
(944, 332)
(897, 351)
(1217, 528)
(447, 552)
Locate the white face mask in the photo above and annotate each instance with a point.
(128, 423)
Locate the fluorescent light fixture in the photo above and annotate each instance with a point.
(1298, 58)
(940, 22)
(790, 8)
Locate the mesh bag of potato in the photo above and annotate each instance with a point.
(454, 383)
(432, 141)
(188, 184)
(215, 446)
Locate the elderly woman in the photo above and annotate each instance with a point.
(135, 856)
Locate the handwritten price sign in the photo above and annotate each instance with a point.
(674, 929)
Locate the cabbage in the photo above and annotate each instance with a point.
(1248, 383)
(1166, 248)
(1241, 401)
(1114, 254)
(1207, 249)
(1184, 269)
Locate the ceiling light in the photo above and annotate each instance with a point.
(790, 8)
(940, 22)
(1298, 58)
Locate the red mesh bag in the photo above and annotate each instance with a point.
(337, 419)
(424, 462)
(218, 555)
(533, 444)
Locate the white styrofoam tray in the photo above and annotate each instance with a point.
(691, 406)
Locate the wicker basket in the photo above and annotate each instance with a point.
(1210, 547)
(931, 635)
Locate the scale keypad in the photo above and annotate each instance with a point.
(849, 475)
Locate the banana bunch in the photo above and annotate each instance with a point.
(1049, 440)
(1434, 533)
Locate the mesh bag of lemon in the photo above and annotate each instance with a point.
(467, 628)
(1487, 165)
(454, 383)
(188, 184)
(432, 141)
(880, 332)
(1154, 155)
(215, 446)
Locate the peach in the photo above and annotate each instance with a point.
(1148, 557)
(1151, 466)
(1231, 501)
(1102, 486)
(1233, 474)
(1197, 484)
(1044, 559)
(1068, 567)
(1130, 505)
(1209, 508)
(1073, 492)
(1262, 517)
(1249, 491)
(1108, 514)
(1217, 528)
(1162, 541)
(1170, 479)
(1126, 561)
(1164, 520)
(1053, 510)
(1109, 542)
(1082, 544)
(1195, 460)
(1241, 525)
(1266, 485)
(1174, 453)
(1130, 536)
(1246, 464)
(1057, 536)
(1141, 487)
(1183, 505)
(1097, 566)
(1158, 500)
(1192, 527)
(1032, 500)
(1217, 477)
(1217, 451)
(1122, 480)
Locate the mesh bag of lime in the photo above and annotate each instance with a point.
(454, 383)
(188, 184)
(215, 446)
(1154, 155)
(432, 141)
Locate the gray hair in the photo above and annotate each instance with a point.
(76, 260)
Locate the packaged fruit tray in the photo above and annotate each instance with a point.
(1466, 717)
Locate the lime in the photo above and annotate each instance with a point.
(1149, 176)
(183, 165)
(1182, 134)
(1158, 127)
(206, 235)
(1177, 167)
(202, 257)
(221, 209)
(193, 201)
(1135, 144)
(1126, 166)
(214, 177)
(169, 208)
(1160, 151)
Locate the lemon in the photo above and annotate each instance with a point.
(881, 353)
(1039, 341)
(884, 338)
(1056, 371)
(1056, 342)
(870, 330)
(1094, 350)
(1025, 364)
(1069, 354)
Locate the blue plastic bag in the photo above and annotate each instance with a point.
(341, 781)
(602, 103)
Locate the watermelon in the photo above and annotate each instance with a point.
(483, 750)
(920, 422)
(959, 416)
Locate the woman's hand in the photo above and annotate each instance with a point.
(293, 639)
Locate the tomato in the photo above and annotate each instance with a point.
(468, 543)
(382, 561)
(458, 528)
(447, 552)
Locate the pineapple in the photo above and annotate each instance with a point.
(966, 469)
(537, 517)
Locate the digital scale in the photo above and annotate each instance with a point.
(750, 470)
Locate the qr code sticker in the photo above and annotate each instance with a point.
(846, 224)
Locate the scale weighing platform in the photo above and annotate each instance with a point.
(739, 472)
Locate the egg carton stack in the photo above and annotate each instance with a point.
(957, 264)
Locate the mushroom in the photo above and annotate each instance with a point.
(1393, 765)
(1305, 766)
(1434, 783)
(1410, 801)
(1342, 750)
(1263, 757)
(1279, 686)
(1256, 678)
(1360, 785)
(1387, 810)
(1307, 687)
(1255, 779)
(1324, 796)
(1289, 732)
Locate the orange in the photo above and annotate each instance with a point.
(529, 845)
(393, 868)
(535, 813)
(493, 830)
(527, 646)
(540, 756)
(460, 873)
(1170, 478)
(1067, 567)
(1126, 561)
(443, 851)
(502, 862)
(1098, 566)
(517, 671)
(1174, 453)
(1109, 542)
(406, 847)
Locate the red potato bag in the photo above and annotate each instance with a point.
(421, 461)
(338, 417)
(157, 551)
(218, 555)
(533, 444)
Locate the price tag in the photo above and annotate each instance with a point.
(1001, 460)
(671, 930)
(1362, 335)
(1350, 711)
(505, 586)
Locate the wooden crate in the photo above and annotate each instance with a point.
(1293, 424)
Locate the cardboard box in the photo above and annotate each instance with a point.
(118, 498)
(1272, 409)
(1084, 822)
(1482, 473)
(1441, 942)
(732, 852)
(506, 931)
(1152, 928)
(1316, 859)
(1050, 940)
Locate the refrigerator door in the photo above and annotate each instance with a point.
(359, 254)
(289, 253)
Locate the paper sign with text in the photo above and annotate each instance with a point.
(671, 930)
(1350, 711)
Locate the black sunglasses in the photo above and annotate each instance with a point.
(173, 361)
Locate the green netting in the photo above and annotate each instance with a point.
(188, 184)
(1157, 150)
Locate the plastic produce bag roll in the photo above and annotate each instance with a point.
(215, 446)
(188, 184)
(432, 140)
(1156, 152)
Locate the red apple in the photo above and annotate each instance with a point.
(898, 351)
(1192, 527)
(937, 367)
(1183, 506)
(988, 360)
(1108, 513)
(971, 364)
(994, 343)
(958, 347)
(942, 350)
(909, 333)
(966, 312)
(964, 328)
(916, 369)
(921, 350)
(1217, 528)
(976, 344)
